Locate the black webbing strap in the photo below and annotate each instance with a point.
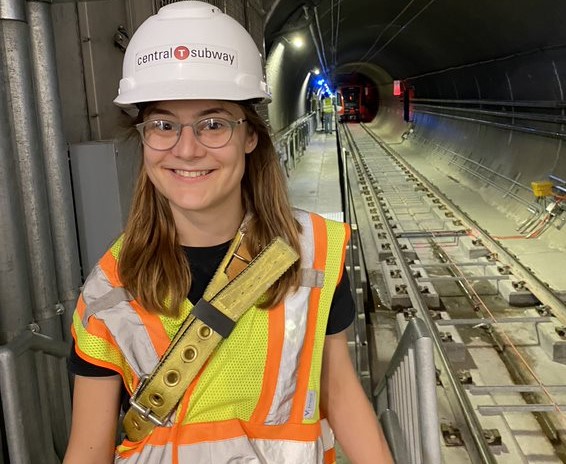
(213, 318)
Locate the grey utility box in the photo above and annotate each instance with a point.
(103, 174)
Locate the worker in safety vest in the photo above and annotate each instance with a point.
(327, 111)
(216, 321)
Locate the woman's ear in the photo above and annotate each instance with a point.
(251, 142)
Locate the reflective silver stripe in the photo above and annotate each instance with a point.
(121, 319)
(327, 435)
(131, 335)
(94, 287)
(240, 450)
(295, 327)
(312, 278)
(307, 249)
(108, 300)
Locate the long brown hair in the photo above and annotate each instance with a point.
(152, 264)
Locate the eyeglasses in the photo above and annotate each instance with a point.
(161, 134)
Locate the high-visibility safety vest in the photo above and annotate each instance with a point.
(257, 398)
(327, 105)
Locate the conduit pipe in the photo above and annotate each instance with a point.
(51, 386)
(17, 62)
(12, 9)
(321, 57)
(321, 41)
(556, 178)
(62, 218)
(15, 300)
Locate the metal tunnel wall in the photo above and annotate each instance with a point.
(495, 127)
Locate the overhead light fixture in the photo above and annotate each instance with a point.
(297, 42)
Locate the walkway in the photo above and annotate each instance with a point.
(314, 186)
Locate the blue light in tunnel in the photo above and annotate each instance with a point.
(321, 86)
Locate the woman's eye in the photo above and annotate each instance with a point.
(163, 126)
(213, 124)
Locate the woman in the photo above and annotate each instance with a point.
(209, 197)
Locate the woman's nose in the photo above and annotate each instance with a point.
(188, 146)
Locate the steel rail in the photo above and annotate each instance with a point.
(544, 294)
(480, 449)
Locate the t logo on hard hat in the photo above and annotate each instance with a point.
(181, 52)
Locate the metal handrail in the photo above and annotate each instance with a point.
(293, 139)
(412, 397)
(286, 131)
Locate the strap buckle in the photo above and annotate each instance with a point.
(145, 413)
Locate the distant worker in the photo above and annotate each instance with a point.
(327, 110)
(217, 320)
(315, 108)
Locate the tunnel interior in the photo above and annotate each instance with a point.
(481, 86)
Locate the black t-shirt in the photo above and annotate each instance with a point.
(203, 263)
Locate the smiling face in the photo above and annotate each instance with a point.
(199, 181)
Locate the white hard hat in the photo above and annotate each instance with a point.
(191, 50)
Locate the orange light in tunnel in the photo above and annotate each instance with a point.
(396, 88)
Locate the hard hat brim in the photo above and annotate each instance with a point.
(194, 90)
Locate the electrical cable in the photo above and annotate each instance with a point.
(368, 51)
(401, 29)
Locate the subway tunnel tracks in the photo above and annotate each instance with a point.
(498, 347)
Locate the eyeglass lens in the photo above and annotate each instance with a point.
(161, 134)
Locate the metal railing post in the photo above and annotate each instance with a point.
(409, 390)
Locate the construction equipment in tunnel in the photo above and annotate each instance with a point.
(542, 188)
(544, 211)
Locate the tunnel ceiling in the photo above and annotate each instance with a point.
(408, 38)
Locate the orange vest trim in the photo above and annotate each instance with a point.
(189, 434)
(154, 327)
(275, 341)
(80, 307)
(347, 240)
(110, 267)
(300, 397)
(330, 456)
